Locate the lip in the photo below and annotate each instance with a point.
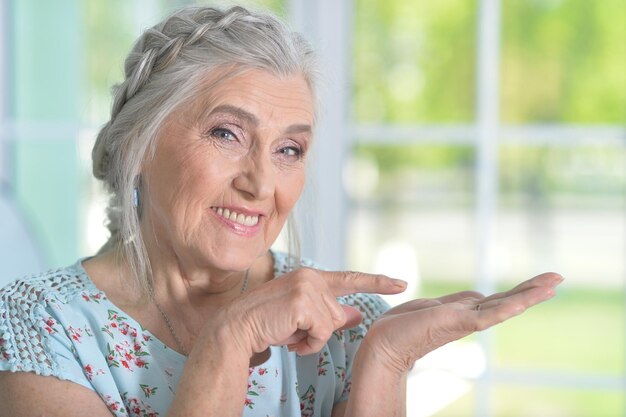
(237, 228)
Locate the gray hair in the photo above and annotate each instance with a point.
(163, 71)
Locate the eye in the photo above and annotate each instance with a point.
(291, 151)
(223, 134)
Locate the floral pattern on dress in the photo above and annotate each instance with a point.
(75, 333)
(50, 325)
(88, 297)
(119, 324)
(307, 401)
(354, 335)
(322, 362)
(339, 335)
(115, 407)
(4, 352)
(148, 390)
(346, 388)
(87, 339)
(90, 373)
(130, 352)
(135, 407)
(340, 373)
(255, 388)
(129, 356)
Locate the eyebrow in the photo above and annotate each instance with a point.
(236, 111)
(253, 120)
(298, 129)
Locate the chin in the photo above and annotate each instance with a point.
(233, 259)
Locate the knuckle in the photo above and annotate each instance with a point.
(304, 287)
(324, 332)
(380, 280)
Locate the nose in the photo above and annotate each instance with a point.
(257, 177)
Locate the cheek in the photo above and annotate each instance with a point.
(289, 192)
(183, 183)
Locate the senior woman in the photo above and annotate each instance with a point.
(186, 311)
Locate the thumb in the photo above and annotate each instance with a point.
(353, 317)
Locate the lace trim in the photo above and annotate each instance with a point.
(25, 325)
(369, 305)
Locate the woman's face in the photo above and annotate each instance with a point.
(227, 171)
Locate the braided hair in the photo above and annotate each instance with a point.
(164, 69)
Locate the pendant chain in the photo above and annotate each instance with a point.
(179, 343)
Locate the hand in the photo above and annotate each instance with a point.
(300, 309)
(411, 330)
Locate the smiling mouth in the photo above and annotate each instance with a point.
(238, 218)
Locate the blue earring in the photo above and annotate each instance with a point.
(136, 197)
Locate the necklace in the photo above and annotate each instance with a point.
(179, 343)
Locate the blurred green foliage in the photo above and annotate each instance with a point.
(110, 32)
(564, 61)
(414, 61)
(110, 28)
(561, 61)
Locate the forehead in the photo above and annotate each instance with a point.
(285, 99)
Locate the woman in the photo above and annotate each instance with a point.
(186, 310)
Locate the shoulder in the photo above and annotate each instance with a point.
(32, 310)
(56, 285)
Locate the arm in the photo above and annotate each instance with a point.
(215, 378)
(24, 394)
(370, 376)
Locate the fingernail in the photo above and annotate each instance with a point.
(291, 347)
(399, 283)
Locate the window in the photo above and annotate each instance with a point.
(425, 201)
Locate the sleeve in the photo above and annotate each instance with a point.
(371, 307)
(32, 338)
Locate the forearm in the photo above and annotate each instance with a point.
(376, 390)
(214, 380)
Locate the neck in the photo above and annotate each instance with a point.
(188, 302)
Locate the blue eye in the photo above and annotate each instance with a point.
(223, 134)
(291, 151)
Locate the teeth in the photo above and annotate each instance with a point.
(237, 217)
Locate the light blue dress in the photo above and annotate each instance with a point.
(59, 324)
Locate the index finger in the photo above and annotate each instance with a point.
(351, 282)
(547, 279)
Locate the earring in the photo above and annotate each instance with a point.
(136, 197)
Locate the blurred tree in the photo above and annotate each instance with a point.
(414, 61)
(564, 61)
